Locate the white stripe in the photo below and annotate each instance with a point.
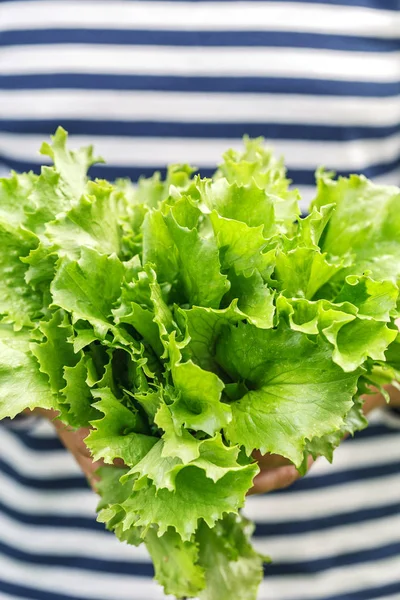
(4, 172)
(201, 16)
(338, 581)
(392, 178)
(76, 503)
(150, 152)
(42, 428)
(75, 542)
(331, 542)
(392, 420)
(70, 581)
(307, 194)
(198, 107)
(40, 464)
(212, 62)
(304, 505)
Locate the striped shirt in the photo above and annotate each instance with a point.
(150, 83)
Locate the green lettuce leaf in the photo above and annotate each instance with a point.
(175, 563)
(19, 305)
(296, 391)
(242, 247)
(255, 299)
(365, 222)
(198, 405)
(206, 286)
(301, 272)
(56, 353)
(326, 444)
(195, 497)
(22, 384)
(77, 284)
(117, 434)
(232, 566)
(92, 222)
(71, 165)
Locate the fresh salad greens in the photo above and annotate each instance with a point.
(190, 322)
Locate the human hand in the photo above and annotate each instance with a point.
(276, 473)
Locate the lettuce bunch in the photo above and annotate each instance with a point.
(190, 322)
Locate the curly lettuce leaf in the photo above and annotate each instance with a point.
(72, 165)
(241, 247)
(198, 405)
(175, 563)
(118, 433)
(296, 392)
(365, 223)
(22, 384)
(195, 497)
(92, 222)
(232, 567)
(88, 288)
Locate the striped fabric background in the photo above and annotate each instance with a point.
(151, 82)
(335, 535)
(156, 82)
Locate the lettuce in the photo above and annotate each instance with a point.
(190, 322)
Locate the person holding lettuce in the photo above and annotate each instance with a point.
(167, 82)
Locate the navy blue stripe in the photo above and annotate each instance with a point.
(120, 567)
(269, 85)
(52, 520)
(39, 444)
(370, 593)
(274, 39)
(373, 431)
(72, 483)
(22, 591)
(342, 478)
(373, 4)
(266, 530)
(332, 562)
(298, 176)
(172, 129)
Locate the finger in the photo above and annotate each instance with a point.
(89, 468)
(270, 461)
(73, 440)
(274, 479)
(373, 401)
